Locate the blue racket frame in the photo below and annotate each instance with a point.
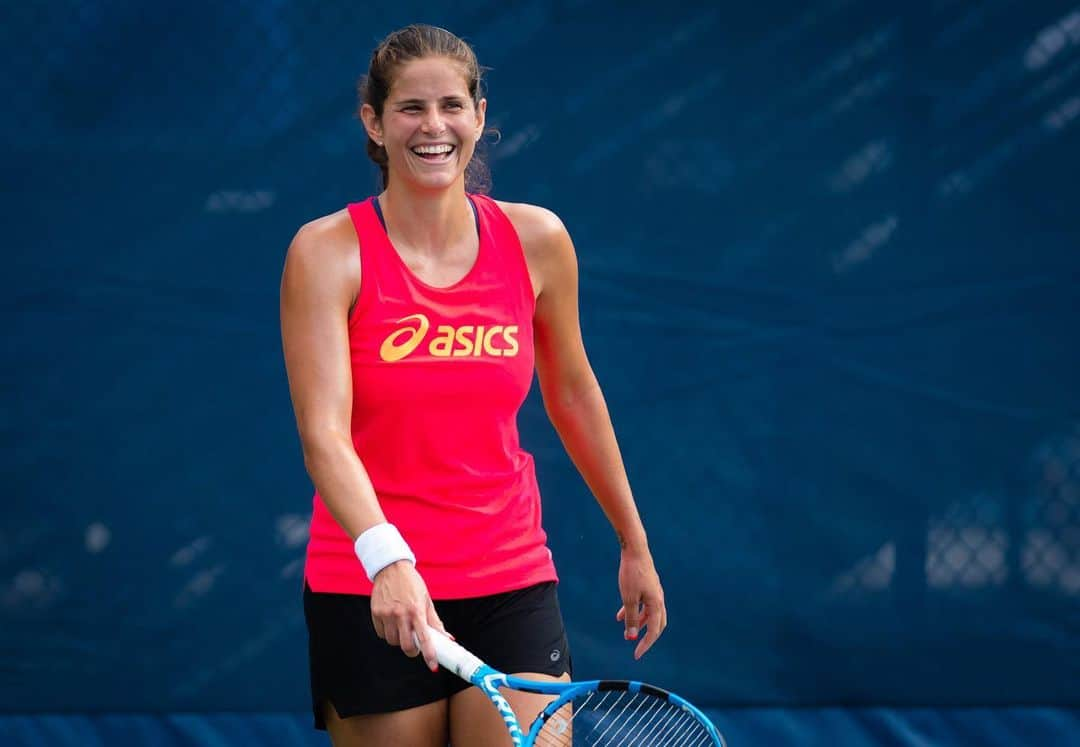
(490, 680)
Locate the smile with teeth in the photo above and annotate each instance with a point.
(433, 152)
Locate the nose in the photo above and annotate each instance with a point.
(433, 122)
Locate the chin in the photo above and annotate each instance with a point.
(434, 182)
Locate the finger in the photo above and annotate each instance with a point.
(657, 613)
(633, 613)
(390, 632)
(405, 636)
(643, 619)
(652, 633)
(427, 643)
(379, 629)
(434, 620)
(427, 646)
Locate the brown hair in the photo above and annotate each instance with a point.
(412, 43)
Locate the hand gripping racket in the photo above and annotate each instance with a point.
(594, 712)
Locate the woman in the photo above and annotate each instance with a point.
(408, 358)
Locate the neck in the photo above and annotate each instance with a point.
(430, 223)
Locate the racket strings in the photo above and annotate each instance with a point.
(622, 718)
(558, 730)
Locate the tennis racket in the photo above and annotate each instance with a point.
(594, 712)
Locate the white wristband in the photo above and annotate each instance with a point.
(380, 546)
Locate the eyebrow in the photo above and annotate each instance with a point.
(403, 102)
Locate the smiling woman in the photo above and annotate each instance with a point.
(412, 324)
(438, 93)
(429, 126)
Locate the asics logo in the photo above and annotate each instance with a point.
(449, 342)
(401, 342)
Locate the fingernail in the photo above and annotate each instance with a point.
(434, 667)
(632, 632)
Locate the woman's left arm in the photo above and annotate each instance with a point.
(576, 407)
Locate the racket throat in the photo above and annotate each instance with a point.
(490, 683)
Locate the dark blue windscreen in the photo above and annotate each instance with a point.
(829, 282)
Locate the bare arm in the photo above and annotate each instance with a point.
(576, 407)
(318, 287)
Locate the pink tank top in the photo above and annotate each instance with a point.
(439, 375)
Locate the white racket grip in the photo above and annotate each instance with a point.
(454, 657)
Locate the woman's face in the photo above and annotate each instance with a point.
(429, 125)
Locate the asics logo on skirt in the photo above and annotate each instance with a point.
(465, 341)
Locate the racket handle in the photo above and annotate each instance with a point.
(453, 656)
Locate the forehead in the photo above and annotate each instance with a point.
(429, 77)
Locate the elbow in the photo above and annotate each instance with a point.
(560, 400)
(322, 445)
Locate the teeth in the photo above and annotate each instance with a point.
(433, 149)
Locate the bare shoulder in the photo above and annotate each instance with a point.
(544, 238)
(331, 234)
(324, 254)
(549, 252)
(535, 225)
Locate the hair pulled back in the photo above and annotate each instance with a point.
(415, 42)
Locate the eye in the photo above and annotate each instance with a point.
(410, 108)
(454, 105)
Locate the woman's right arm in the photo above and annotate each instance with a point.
(318, 288)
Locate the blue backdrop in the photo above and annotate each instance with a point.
(829, 280)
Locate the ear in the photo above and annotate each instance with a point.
(481, 117)
(371, 123)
